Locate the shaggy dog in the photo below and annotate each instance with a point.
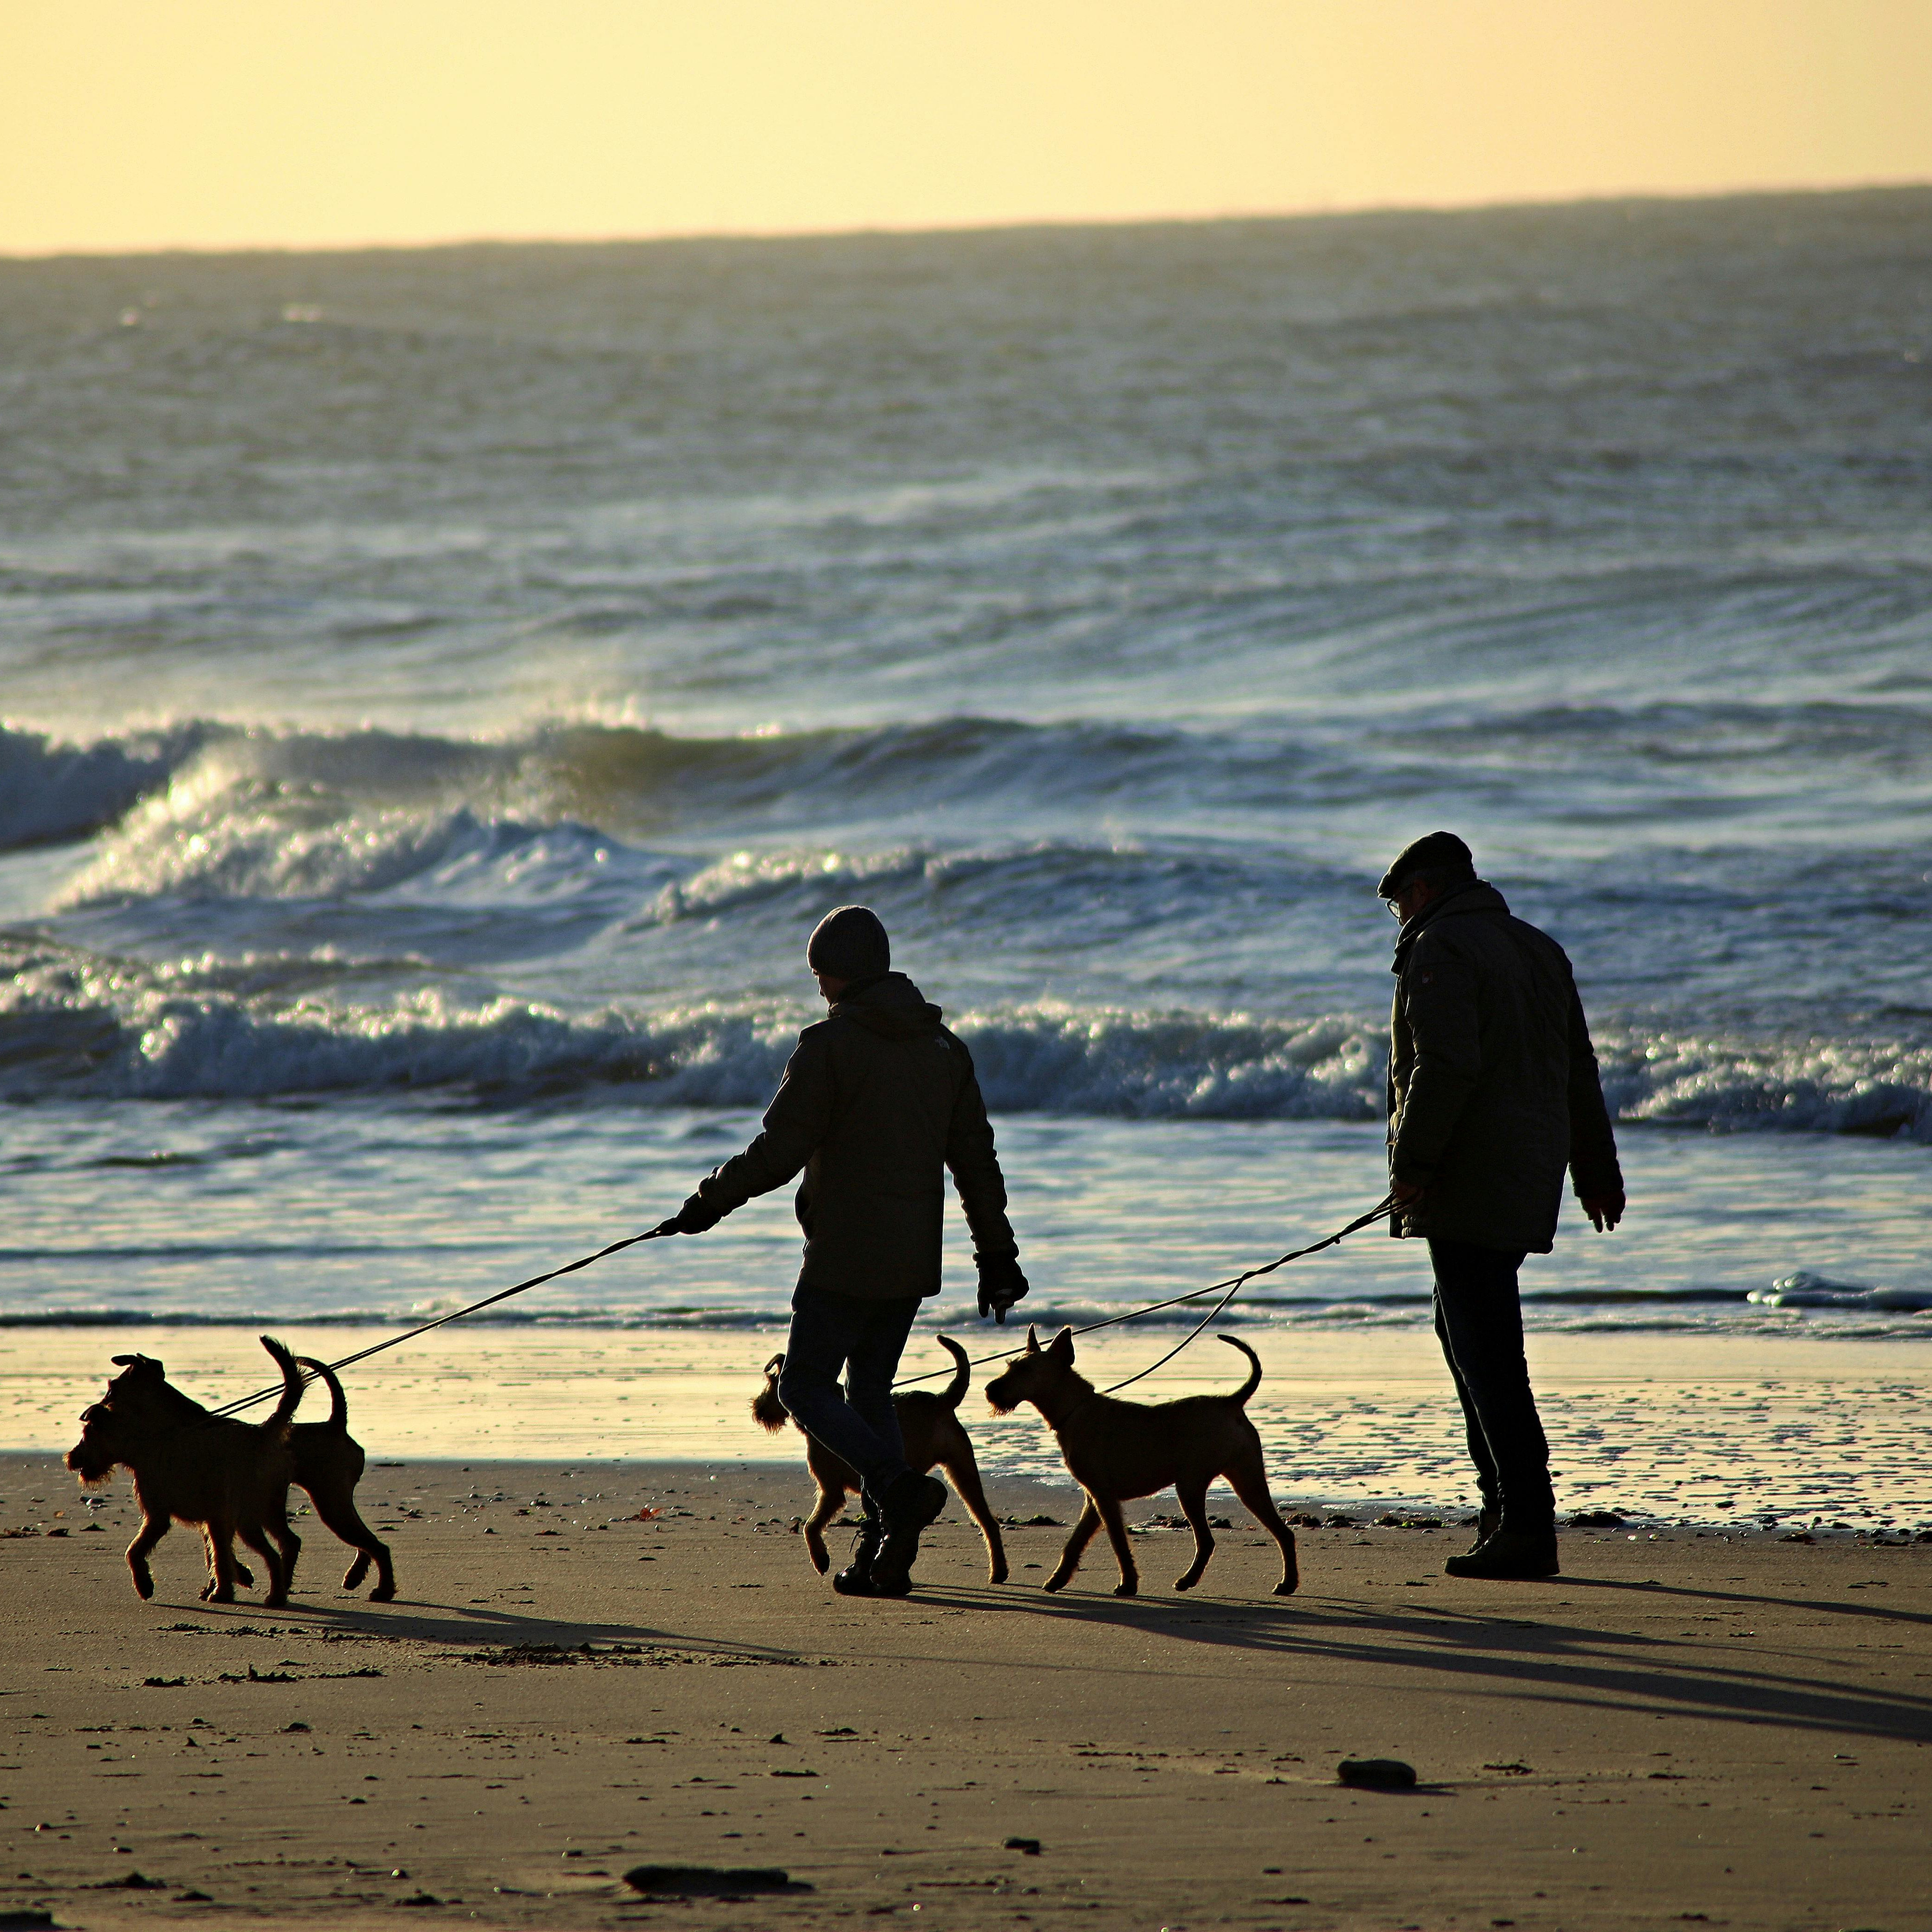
(231, 1477)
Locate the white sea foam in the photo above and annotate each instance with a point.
(72, 1021)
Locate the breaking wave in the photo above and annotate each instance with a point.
(75, 1023)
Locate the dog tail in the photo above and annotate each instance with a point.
(955, 1393)
(292, 1383)
(1254, 1380)
(338, 1402)
(766, 1409)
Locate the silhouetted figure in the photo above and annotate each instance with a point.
(1493, 1092)
(878, 1101)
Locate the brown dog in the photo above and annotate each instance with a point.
(329, 1464)
(1117, 1451)
(231, 1477)
(930, 1427)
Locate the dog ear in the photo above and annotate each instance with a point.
(1033, 1339)
(1061, 1347)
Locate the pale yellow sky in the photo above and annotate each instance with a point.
(128, 124)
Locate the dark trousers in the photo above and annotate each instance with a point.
(1479, 1322)
(831, 1332)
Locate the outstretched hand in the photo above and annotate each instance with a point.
(693, 1218)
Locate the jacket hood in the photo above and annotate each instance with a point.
(1476, 896)
(890, 1006)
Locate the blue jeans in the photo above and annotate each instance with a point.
(830, 1332)
(1479, 1322)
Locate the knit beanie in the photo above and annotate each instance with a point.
(850, 943)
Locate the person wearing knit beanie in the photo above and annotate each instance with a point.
(879, 1103)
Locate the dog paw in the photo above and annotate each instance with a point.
(998, 1576)
(1288, 1586)
(1188, 1581)
(144, 1587)
(383, 1593)
(1126, 1589)
(353, 1576)
(1054, 1583)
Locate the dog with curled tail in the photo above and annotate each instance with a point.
(1117, 1451)
(228, 1477)
(329, 1464)
(933, 1437)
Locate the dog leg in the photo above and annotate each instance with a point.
(1129, 1584)
(965, 1475)
(336, 1508)
(252, 1535)
(276, 1523)
(1249, 1481)
(1194, 1506)
(244, 1575)
(1076, 1545)
(153, 1529)
(221, 1540)
(831, 1501)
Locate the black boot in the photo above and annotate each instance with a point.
(908, 1506)
(1489, 1520)
(855, 1578)
(1510, 1556)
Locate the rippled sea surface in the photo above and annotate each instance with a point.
(442, 689)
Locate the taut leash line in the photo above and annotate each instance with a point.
(1227, 1290)
(501, 1294)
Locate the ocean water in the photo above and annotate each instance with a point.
(442, 689)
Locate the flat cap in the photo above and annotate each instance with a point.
(1434, 852)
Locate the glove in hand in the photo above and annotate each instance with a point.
(1001, 1284)
(693, 1217)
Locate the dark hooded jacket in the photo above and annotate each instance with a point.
(878, 1101)
(1493, 1088)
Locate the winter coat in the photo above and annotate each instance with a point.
(1492, 1086)
(878, 1099)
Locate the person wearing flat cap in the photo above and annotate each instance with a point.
(878, 1100)
(1493, 1092)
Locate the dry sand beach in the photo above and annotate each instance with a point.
(1684, 1729)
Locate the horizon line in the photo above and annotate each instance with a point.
(1326, 212)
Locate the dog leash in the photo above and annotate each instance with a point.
(442, 1320)
(1227, 1290)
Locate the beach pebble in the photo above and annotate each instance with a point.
(1381, 1774)
(1029, 1846)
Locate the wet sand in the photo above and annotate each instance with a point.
(1674, 1427)
(1682, 1728)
